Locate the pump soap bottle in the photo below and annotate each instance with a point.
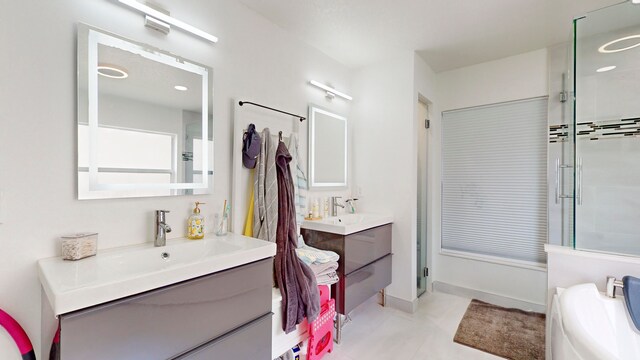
(195, 224)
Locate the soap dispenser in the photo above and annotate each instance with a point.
(195, 224)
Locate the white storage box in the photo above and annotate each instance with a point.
(78, 246)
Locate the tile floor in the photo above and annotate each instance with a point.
(382, 333)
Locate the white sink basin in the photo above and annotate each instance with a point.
(597, 326)
(348, 223)
(120, 272)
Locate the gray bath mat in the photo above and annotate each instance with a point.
(509, 333)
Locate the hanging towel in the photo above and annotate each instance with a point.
(299, 180)
(300, 297)
(265, 212)
(248, 223)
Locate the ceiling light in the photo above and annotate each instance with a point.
(112, 71)
(181, 88)
(635, 1)
(607, 68)
(603, 48)
(331, 92)
(169, 20)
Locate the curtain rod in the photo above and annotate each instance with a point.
(302, 118)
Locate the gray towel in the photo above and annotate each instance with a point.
(265, 213)
(326, 274)
(299, 180)
(295, 279)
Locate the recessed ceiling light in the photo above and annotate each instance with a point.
(606, 68)
(112, 71)
(181, 88)
(605, 48)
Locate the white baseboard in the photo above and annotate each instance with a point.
(401, 304)
(495, 299)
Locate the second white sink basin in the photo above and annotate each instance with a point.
(348, 223)
(120, 272)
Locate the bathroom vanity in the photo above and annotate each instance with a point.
(363, 242)
(201, 299)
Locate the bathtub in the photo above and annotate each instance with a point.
(588, 325)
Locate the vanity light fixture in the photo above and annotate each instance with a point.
(605, 48)
(112, 71)
(164, 18)
(181, 88)
(331, 92)
(606, 68)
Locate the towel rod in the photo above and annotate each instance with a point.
(302, 118)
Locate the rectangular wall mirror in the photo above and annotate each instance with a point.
(327, 149)
(144, 120)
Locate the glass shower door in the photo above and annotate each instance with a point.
(421, 237)
(607, 130)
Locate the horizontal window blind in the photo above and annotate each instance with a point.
(494, 191)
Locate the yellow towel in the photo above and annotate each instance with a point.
(248, 224)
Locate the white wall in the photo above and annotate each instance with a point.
(512, 78)
(383, 151)
(385, 154)
(517, 77)
(254, 60)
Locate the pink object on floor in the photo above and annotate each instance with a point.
(19, 336)
(324, 294)
(321, 330)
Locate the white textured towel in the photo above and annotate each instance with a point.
(310, 255)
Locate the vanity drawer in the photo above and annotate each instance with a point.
(365, 247)
(250, 342)
(163, 323)
(362, 284)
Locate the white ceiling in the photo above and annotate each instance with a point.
(448, 34)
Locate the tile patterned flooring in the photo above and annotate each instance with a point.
(382, 333)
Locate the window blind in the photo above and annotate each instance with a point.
(494, 191)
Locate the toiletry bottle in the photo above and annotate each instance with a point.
(325, 205)
(195, 224)
(316, 210)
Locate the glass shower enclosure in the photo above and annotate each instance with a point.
(606, 130)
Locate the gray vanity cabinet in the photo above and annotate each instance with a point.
(364, 267)
(224, 315)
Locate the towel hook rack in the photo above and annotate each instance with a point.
(302, 118)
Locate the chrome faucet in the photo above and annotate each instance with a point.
(335, 204)
(612, 284)
(162, 228)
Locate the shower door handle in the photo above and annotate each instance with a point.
(557, 187)
(579, 181)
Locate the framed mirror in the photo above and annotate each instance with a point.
(327, 149)
(144, 120)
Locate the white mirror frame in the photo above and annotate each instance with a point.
(313, 183)
(93, 37)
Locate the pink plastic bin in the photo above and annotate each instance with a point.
(321, 330)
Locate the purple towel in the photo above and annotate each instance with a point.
(297, 283)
